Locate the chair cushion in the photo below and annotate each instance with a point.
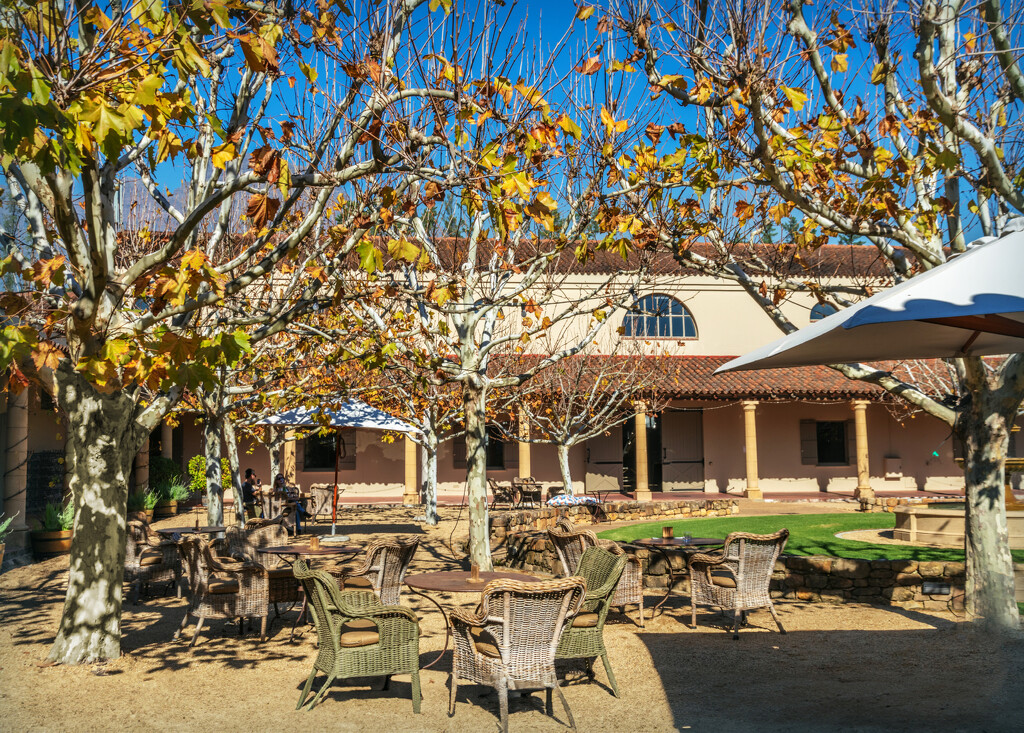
(357, 582)
(584, 620)
(151, 557)
(355, 634)
(222, 585)
(722, 579)
(484, 644)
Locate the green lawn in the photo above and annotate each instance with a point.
(810, 534)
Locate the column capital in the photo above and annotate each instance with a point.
(749, 404)
(860, 404)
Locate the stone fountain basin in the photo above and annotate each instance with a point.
(937, 526)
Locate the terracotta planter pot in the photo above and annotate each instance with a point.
(165, 509)
(50, 543)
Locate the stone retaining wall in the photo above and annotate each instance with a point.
(814, 579)
(524, 520)
(890, 504)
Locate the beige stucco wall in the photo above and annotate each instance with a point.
(778, 450)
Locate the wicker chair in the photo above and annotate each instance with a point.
(277, 509)
(383, 570)
(244, 544)
(738, 578)
(501, 494)
(584, 637)
(509, 644)
(149, 559)
(528, 491)
(358, 636)
(221, 588)
(321, 501)
(570, 545)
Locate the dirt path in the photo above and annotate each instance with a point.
(839, 668)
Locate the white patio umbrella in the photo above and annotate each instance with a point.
(973, 304)
(350, 414)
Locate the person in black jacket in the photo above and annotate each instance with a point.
(250, 490)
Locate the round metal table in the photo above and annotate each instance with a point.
(307, 551)
(456, 581)
(663, 545)
(170, 531)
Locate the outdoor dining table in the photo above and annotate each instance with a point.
(297, 551)
(171, 531)
(456, 581)
(665, 544)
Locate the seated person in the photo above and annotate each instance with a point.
(281, 487)
(250, 487)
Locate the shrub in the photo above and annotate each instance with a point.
(164, 470)
(5, 528)
(142, 500)
(58, 516)
(197, 473)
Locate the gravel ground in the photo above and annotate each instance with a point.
(852, 667)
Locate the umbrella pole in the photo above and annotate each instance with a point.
(334, 504)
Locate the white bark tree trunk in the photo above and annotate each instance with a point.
(236, 476)
(474, 400)
(563, 467)
(275, 440)
(101, 444)
(214, 487)
(428, 459)
(989, 582)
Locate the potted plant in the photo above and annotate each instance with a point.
(144, 502)
(169, 494)
(54, 534)
(5, 529)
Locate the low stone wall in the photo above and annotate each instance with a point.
(813, 579)
(524, 520)
(890, 504)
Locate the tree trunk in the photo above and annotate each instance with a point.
(236, 476)
(214, 488)
(989, 582)
(563, 466)
(274, 443)
(428, 458)
(474, 400)
(101, 444)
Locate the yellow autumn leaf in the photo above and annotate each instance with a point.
(222, 154)
(585, 12)
(796, 97)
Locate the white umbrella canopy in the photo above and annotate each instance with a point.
(973, 304)
(350, 414)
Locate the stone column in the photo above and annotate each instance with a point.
(643, 488)
(753, 491)
(288, 458)
(16, 478)
(166, 440)
(412, 493)
(140, 470)
(525, 468)
(860, 423)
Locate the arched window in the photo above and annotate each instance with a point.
(659, 316)
(820, 311)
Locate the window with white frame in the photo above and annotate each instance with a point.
(659, 317)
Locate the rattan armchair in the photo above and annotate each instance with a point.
(584, 637)
(245, 544)
(571, 542)
(385, 563)
(510, 642)
(501, 494)
(738, 578)
(358, 636)
(149, 559)
(222, 588)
